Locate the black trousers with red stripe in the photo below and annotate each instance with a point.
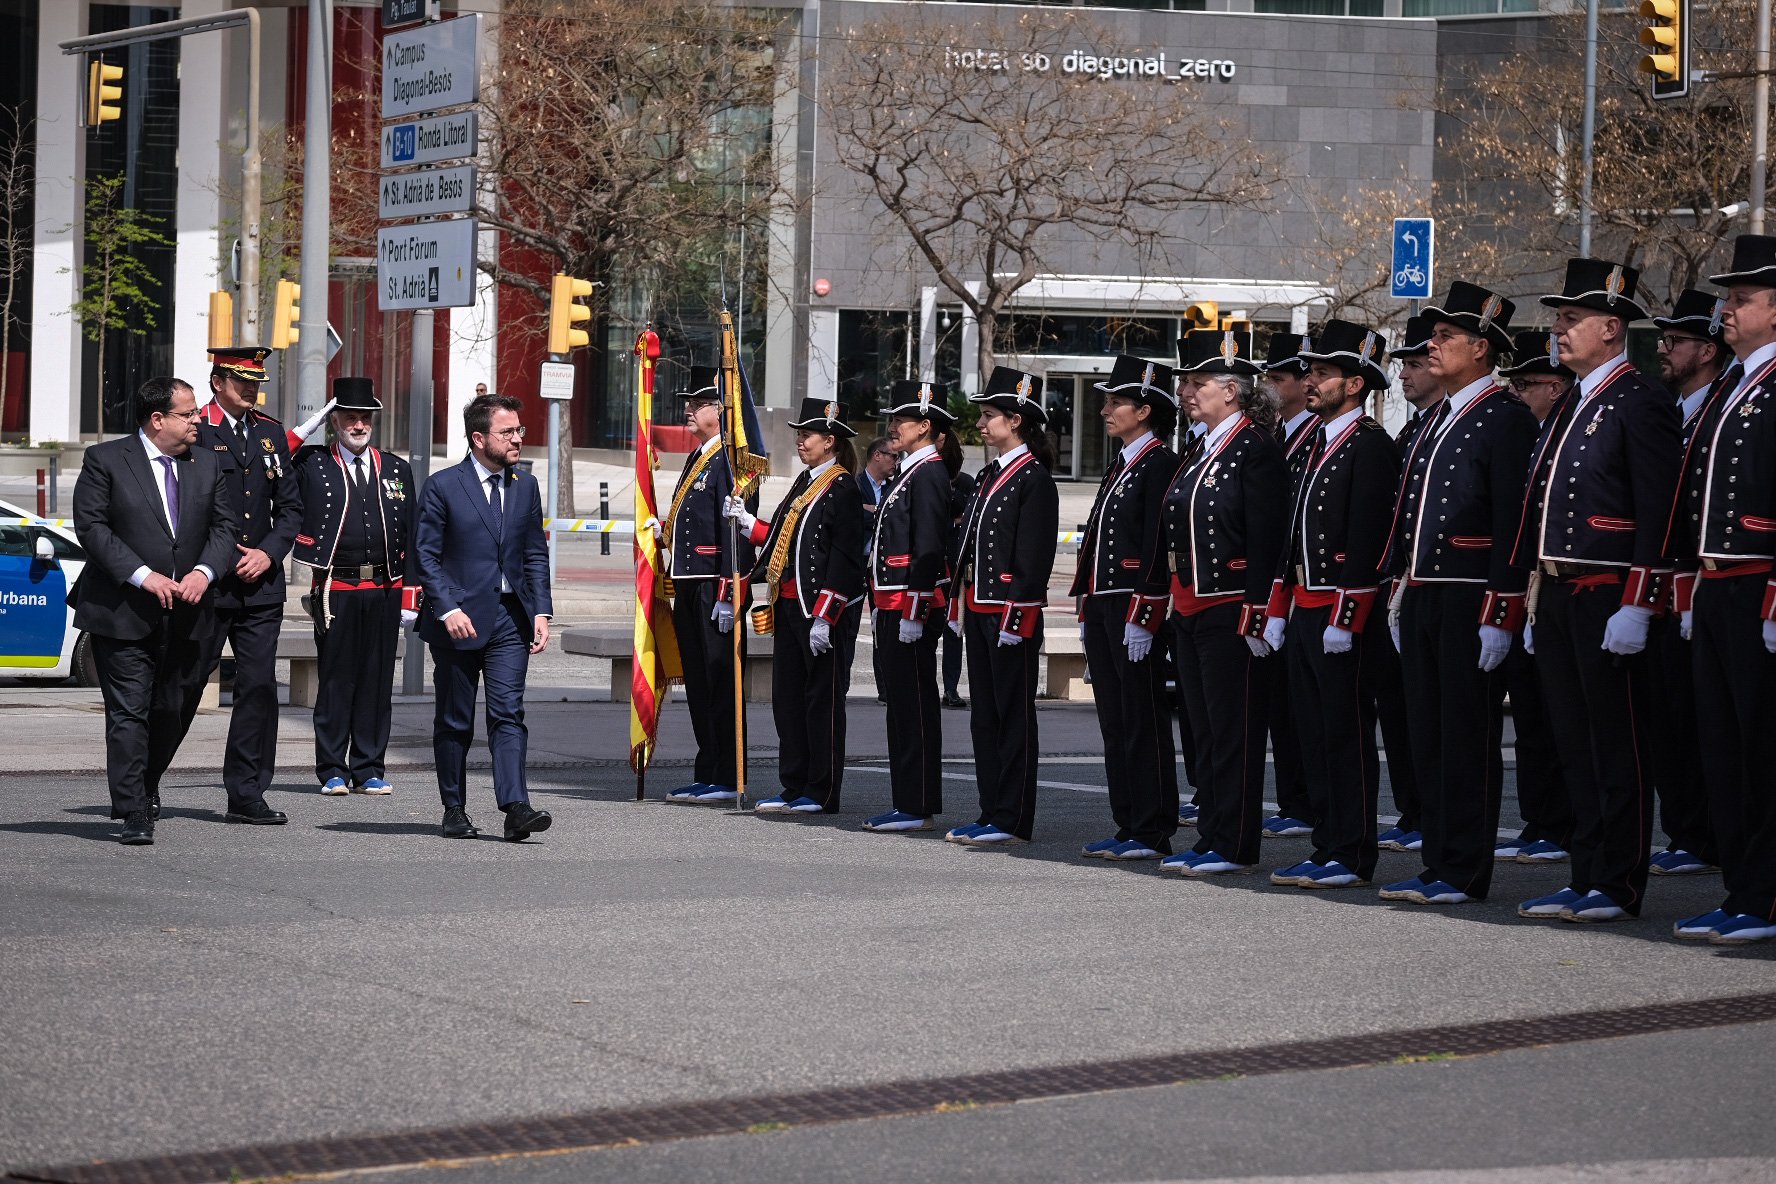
(1677, 751)
(1226, 695)
(1599, 703)
(907, 677)
(1002, 722)
(1454, 732)
(808, 703)
(1736, 702)
(1140, 764)
(1335, 717)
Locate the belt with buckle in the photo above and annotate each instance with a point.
(360, 572)
(1568, 571)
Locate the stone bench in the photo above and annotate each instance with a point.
(617, 646)
(296, 645)
(1063, 655)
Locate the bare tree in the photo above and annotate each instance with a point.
(17, 178)
(987, 165)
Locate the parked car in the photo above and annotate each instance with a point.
(38, 564)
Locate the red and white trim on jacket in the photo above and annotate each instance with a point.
(1018, 617)
(1091, 561)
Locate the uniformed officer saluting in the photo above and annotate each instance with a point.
(357, 538)
(1224, 517)
(811, 560)
(1724, 525)
(1460, 601)
(909, 586)
(1343, 503)
(701, 545)
(1002, 565)
(261, 488)
(1593, 530)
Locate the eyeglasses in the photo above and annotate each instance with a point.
(1671, 341)
(516, 433)
(1520, 385)
(187, 416)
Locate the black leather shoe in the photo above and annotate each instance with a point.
(522, 821)
(257, 813)
(954, 701)
(138, 830)
(154, 806)
(457, 824)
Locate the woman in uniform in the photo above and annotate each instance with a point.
(909, 580)
(1224, 516)
(1003, 563)
(811, 561)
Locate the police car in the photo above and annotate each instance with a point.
(38, 564)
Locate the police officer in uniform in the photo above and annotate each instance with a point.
(700, 543)
(1693, 355)
(1002, 564)
(1460, 602)
(1342, 508)
(1724, 528)
(1122, 575)
(1593, 529)
(1224, 517)
(361, 509)
(249, 598)
(909, 586)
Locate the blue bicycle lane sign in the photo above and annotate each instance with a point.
(1414, 251)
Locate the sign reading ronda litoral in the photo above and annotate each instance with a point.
(1110, 67)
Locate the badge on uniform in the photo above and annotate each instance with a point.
(1596, 421)
(395, 489)
(1748, 409)
(265, 443)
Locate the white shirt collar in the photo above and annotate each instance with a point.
(1006, 458)
(1466, 395)
(1221, 431)
(713, 442)
(481, 469)
(822, 467)
(347, 456)
(1344, 421)
(233, 420)
(1134, 446)
(913, 458)
(154, 452)
(1759, 356)
(1588, 385)
(1687, 405)
(1300, 417)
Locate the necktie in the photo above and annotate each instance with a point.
(172, 492)
(1282, 434)
(358, 473)
(497, 502)
(240, 433)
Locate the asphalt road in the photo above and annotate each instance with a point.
(353, 972)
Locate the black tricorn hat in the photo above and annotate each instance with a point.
(699, 385)
(1478, 310)
(921, 400)
(1141, 380)
(1535, 352)
(1218, 351)
(355, 394)
(1285, 350)
(1353, 349)
(823, 415)
(1754, 262)
(242, 361)
(1697, 313)
(1416, 341)
(1603, 286)
(1015, 392)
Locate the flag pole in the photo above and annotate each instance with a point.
(730, 392)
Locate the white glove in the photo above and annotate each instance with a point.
(733, 507)
(911, 631)
(1335, 640)
(1394, 633)
(1686, 620)
(1770, 636)
(1082, 631)
(1529, 639)
(723, 616)
(1495, 645)
(956, 626)
(1273, 631)
(1009, 638)
(1626, 631)
(1259, 647)
(1137, 640)
(309, 427)
(659, 530)
(820, 636)
(408, 616)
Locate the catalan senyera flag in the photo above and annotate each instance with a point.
(656, 661)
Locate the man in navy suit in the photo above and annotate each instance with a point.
(485, 570)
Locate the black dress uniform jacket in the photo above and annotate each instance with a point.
(908, 569)
(826, 552)
(262, 488)
(323, 479)
(701, 540)
(1124, 549)
(1732, 520)
(1007, 548)
(1224, 522)
(1339, 526)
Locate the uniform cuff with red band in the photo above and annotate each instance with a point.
(1644, 587)
(410, 598)
(1149, 612)
(1504, 610)
(1251, 622)
(761, 530)
(1683, 591)
(828, 606)
(1350, 607)
(1769, 610)
(1279, 601)
(1020, 619)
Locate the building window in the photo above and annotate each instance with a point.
(1319, 7)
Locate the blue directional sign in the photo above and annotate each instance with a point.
(1414, 243)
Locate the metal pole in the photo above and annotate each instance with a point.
(311, 344)
(1760, 122)
(252, 200)
(1590, 126)
(554, 481)
(419, 458)
(604, 512)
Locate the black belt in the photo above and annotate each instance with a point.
(1561, 570)
(359, 571)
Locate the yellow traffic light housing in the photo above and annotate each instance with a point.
(221, 320)
(288, 312)
(1204, 314)
(104, 93)
(1666, 35)
(565, 312)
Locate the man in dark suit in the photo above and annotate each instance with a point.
(249, 596)
(155, 521)
(485, 569)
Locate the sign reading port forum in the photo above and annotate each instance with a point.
(426, 265)
(431, 67)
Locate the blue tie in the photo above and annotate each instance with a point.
(499, 510)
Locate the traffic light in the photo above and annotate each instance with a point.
(1204, 314)
(1667, 36)
(565, 312)
(102, 97)
(221, 320)
(283, 324)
